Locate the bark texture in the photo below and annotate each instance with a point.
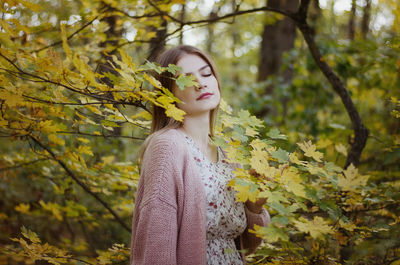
(360, 131)
(365, 19)
(276, 39)
(351, 27)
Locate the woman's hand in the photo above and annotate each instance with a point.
(256, 207)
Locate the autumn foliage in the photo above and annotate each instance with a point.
(75, 103)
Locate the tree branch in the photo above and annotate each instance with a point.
(102, 135)
(23, 164)
(360, 131)
(80, 183)
(70, 36)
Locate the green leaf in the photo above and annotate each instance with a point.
(281, 155)
(186, 81)
(109, 123)
(282, 220)
(274, 133)
(173, 69)
(271, 233)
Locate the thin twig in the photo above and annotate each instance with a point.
(23, 164)
(80, 183)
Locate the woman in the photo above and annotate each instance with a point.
(184, 211)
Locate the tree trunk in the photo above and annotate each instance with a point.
(157, 44)
(360, 131)
(365, 19)
(182, 18)
(315, 14)
(235, 75)
(351, 28)
(276, 39)
(210, 29)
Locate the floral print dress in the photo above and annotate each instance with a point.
(226, 218)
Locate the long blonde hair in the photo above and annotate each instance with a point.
(161, 122)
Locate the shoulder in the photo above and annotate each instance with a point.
(169, 141)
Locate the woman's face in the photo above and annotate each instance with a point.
(199, 99)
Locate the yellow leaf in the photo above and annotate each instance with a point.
(11, 99)
(32, 236)
(108, 159)
(317, 227)
(3, 123)
(143, 114)
(347, 226)
(152, 80)
(292, 180)
(47, 126)
(53, 208)
(83, 140)
(56, 140)
(126, 59)
(225, 107)
(65, 45)
(173, 112)
(310, 150)
(94, 109)
(323, 143)
(85, 149)
(251, 132)
(164, 100)
(32, 6)
(351, 179)
(245, 190)
(294, 159)
(259, 159)
(22, 207)
(341, 149)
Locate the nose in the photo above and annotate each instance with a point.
(201, 83)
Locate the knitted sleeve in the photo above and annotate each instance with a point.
(250, 241)
(155, 224)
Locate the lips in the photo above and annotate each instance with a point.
(204, 95)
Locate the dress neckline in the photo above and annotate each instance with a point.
(198, 149)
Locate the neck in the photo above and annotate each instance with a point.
(198, 128)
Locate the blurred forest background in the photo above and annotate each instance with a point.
(311, 102)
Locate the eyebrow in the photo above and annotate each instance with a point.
(201, 68)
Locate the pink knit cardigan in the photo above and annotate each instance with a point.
(169, 220)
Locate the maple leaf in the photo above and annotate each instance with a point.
(165, 100)
(350, 180)
(317, 227)
(274, 133)
(22, 207)
(323, 143)
(293, 182)
(341, 149)
(281, 155)
(186, 81)
(11, 99)
(270, 234)
(246, 190)
(56, 140)
(28, 234)
(174, 112)
(310, 150)
(152, 80)
(225, 107)
(173, 69)
(47, 126)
